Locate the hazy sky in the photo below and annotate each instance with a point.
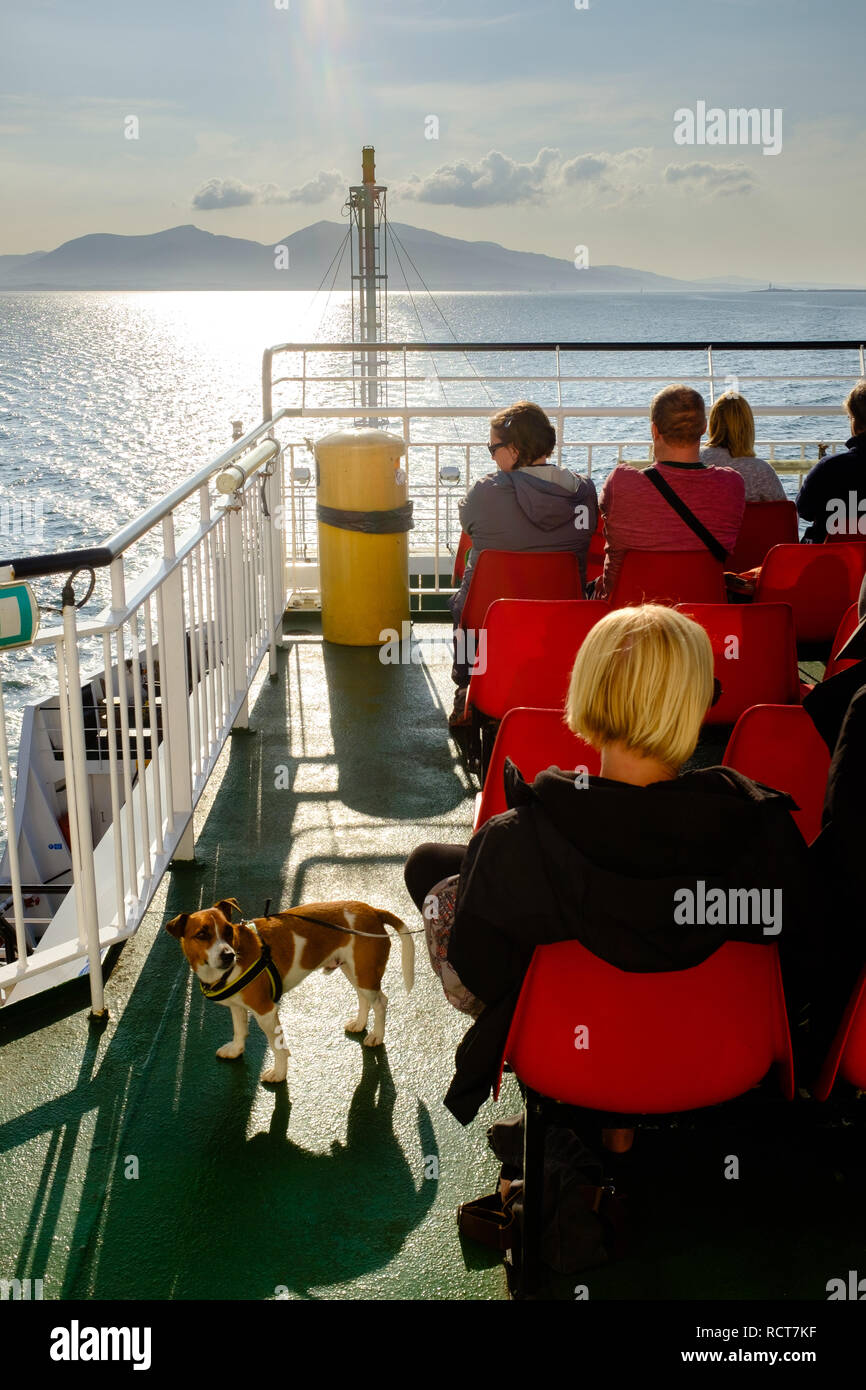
(555, 124)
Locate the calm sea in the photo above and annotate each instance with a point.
(106, 400)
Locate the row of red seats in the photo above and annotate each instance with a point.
(765, 524)
(530, 646)
(774, 744)
(819, 582)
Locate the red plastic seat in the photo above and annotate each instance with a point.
(850, 619)
(847, 1055)
(533, 739)
(765, 524)
(653, 1043)
(780, 746)
(595, 554)
(668, 576)
(819, 581)
(529, 652)
(464, 545)
(754, 655)
(585, 1033)
(519, 574)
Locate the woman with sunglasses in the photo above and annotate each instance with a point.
(529, 503)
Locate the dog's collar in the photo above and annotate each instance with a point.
(262, 963)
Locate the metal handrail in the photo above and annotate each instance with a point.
(98, 557)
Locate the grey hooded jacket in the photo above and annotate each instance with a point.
(537, 508)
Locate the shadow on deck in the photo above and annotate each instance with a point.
(138, 1165)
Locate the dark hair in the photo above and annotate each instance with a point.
(526, 426)
(679, 414)
(856, 405)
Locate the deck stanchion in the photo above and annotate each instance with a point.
(236, 614)
(79, 805)
(12, 838)
(175, 696)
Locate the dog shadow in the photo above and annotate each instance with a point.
(219, 1212)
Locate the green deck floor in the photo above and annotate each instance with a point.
(135, 1164)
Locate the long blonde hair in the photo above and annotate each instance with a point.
(732, 426)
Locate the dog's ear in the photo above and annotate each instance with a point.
(227, 906)
(177, 925)
(228, 933)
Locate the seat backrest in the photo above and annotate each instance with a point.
(668, 576)
(780, 746)
(519, 574)
(850, 619)
(595, 554)
(848, 1050)
(588, 1034)
(765, 524)
(819, 581)
(754, 655)
(464, 545)
(534, 739)
(528, 652)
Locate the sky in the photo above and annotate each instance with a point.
(543, 126)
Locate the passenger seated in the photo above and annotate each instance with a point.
(527, 504)
(731, 444)
(638, 517)
(599, 858)
(826, 499)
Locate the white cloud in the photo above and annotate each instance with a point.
(722, 180)
(223, 193)
(498, 180)
(216, 194)
(315, 190)
(493, 180)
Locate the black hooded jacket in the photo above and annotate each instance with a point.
(601, 863)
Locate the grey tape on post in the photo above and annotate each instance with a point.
(374, 523)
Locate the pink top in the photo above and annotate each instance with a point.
(637, 517)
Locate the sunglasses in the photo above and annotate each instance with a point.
(491, 448)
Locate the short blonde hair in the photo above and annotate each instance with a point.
(732, 426)
(643, 678)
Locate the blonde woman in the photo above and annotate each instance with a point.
(598, 858)
(731, 444)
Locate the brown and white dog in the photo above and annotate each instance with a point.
(219, 951)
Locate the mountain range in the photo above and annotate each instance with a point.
(187, 258)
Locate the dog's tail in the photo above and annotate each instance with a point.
(407, 946)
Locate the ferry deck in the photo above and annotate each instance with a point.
(139, 1166)
(136, 1165)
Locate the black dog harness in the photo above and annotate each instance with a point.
(220, 990)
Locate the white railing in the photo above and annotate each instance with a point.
(148, 693)
(439, 401)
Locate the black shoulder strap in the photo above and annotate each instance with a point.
(716, 549)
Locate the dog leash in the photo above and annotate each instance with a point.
(350, 931)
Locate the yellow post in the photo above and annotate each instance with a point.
(363, 536)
